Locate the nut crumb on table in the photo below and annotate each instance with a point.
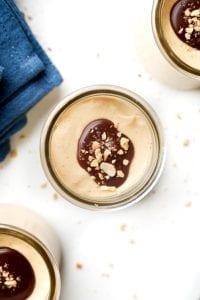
(179, 116)
(43, 185)
(123, 227)
(98, 55)
(188, 203)
(186, 142)
(29, 17)
(131, 241)
(79, 266)
(55, 196)
(13, 153)
(22, 136)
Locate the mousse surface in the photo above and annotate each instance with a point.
(75, 125)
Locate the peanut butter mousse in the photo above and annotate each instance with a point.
(23, 272)
(181, 27)
(101, 146)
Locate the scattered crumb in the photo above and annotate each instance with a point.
(30, 18)
(43, 185)
(98, 55)
(188, 203)
(186, 142)
(55, 196)
(139, 75)
(131, 242)
(179, 116)
(174, 165)
(22, 136)
(105, 275)
(49, 49)
(79, 266)
(13, 153)
(111, 266)
(123, 227)
(154, 191)
(135, 297)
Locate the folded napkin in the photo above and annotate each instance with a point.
(26, 73)
(1, 72)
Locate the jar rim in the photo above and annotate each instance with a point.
(42, 250)
(76, 96)
(164, 46)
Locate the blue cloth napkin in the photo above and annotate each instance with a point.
(1, 72)
(26, 73)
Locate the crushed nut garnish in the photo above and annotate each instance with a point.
(125, 162)
(103, 136)
(95, 145)
(7, 279)
(102, 151)
(186, 22)
(120, 174)
(109, 169)
(124, 142)
(120, 152)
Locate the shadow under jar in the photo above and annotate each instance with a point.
(102, 147)
(175, 25)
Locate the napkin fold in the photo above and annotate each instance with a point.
(26, 73)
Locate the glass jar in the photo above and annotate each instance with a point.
(181, 57)
(66, 122)
(24, 231)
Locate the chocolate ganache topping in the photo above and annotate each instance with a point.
(17, 279)
(185, 20)
(105, 153)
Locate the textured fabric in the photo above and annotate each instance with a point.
(26, 73)
(1, 72)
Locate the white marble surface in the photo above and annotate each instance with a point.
(157, 256)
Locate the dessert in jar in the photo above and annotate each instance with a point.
(102, 147)
(176, 26)
(28, 263)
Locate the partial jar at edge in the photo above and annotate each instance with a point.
(26, 235)
(183, 60)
